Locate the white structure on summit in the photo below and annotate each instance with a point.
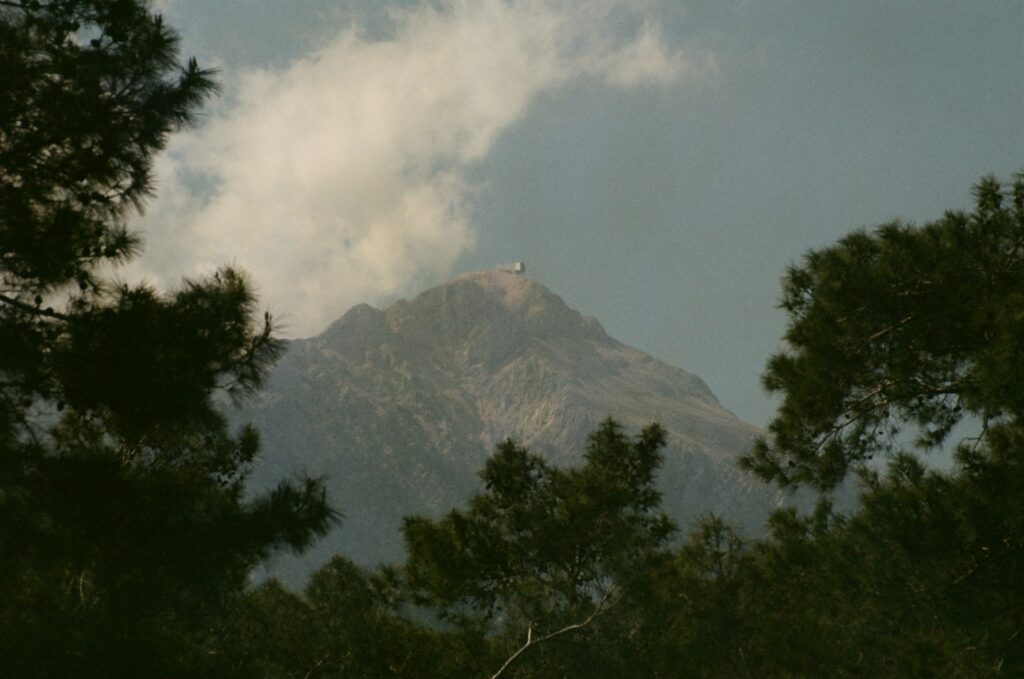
(514, 267)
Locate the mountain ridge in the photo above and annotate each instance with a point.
(401, 407)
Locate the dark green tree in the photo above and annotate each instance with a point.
(346, 623)
(693, 620)
(917, 327)
(123, 524)
(547, 561)
(542, 574)
(922, 580)
(906, 329)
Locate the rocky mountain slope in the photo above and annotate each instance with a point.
(400, 408)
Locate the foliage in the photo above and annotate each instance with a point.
(90, 91)
(123, 525)
(907, 325)
(538, 576)
(126, 535)
(923, 580)
(547, 549)
(347, 622)
(916, 327)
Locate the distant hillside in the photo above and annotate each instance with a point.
(400, 408)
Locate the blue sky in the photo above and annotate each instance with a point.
(657, 164)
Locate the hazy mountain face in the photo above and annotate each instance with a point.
(400, 408)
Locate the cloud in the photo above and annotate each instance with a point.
(342, 178)
(162, 6)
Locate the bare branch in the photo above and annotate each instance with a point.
(604, 605)
(315, 667)
(895, 326)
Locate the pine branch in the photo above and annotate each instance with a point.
(35, 311)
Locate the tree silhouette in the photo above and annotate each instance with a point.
(543, 554)
(906, 326)
(123, 524)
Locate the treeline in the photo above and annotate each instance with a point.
(127, 536)
(569, 573)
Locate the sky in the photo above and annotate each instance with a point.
(656, 163)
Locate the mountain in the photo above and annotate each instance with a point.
(400, 408)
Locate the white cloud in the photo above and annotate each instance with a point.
(162, 6)
(341, 178)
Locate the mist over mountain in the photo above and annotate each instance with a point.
(400, 408)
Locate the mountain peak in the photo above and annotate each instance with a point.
(518, 293)
(400, 407)
(490, 302)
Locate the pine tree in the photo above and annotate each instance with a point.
(904, 327)
(123, 524)
(547, 562)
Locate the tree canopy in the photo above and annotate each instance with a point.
(544, 552)
(903, 327)
(124, 525)
(540, 574)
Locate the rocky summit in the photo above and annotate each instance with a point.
(400, 408)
